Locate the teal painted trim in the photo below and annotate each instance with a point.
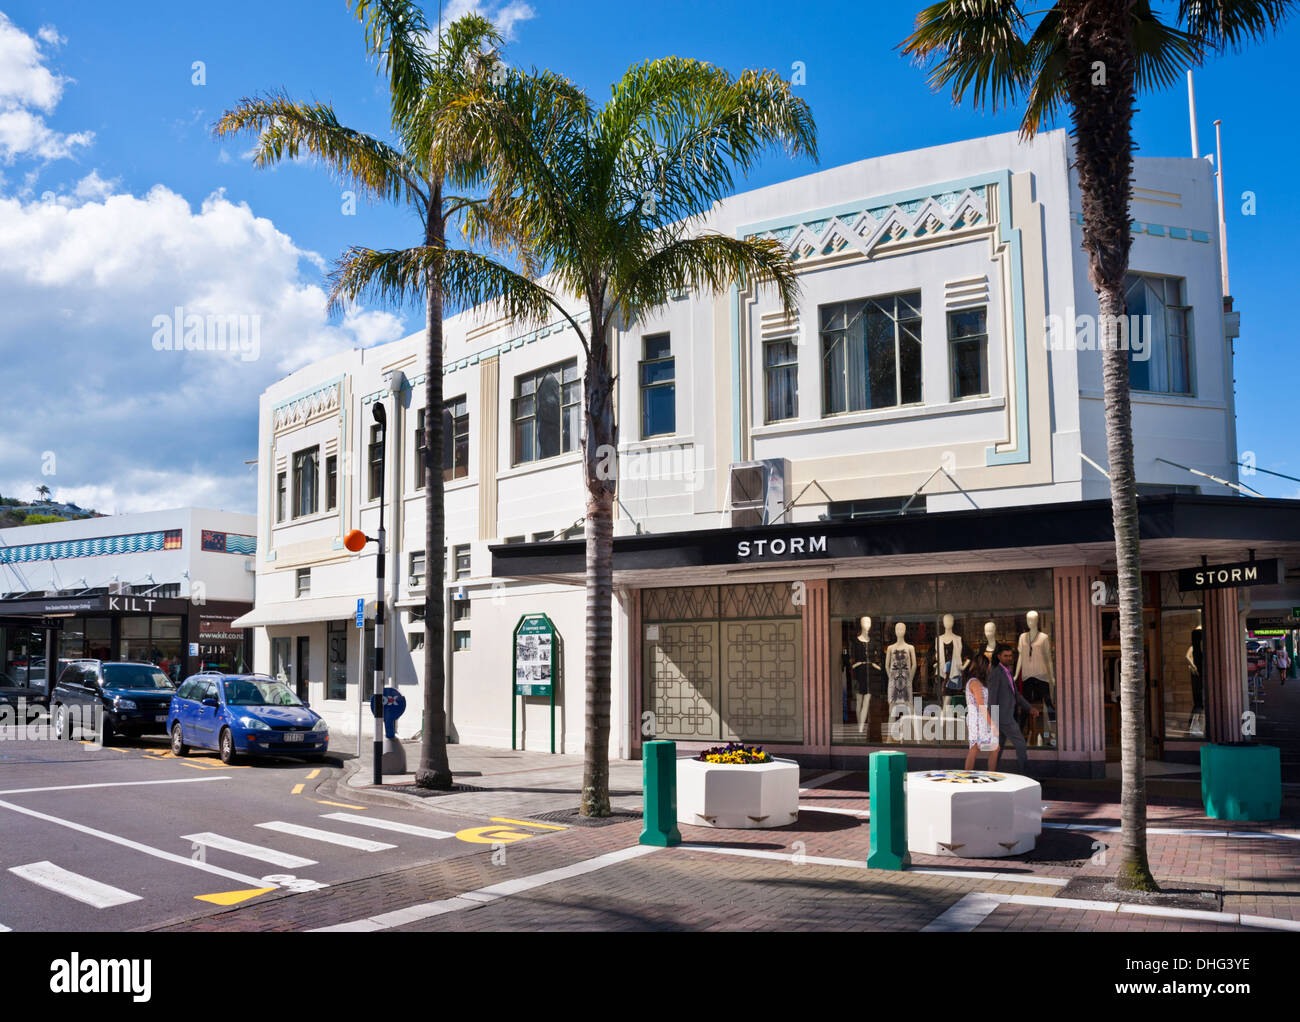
(871, 202)
(305, 393)
(1019, 455)
(734, 299)
(1159, 230)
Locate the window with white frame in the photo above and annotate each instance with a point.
(658, 387)
(1159, 334)
(968, 352)
(281, 510)
(417, 568)
(462, 561)
(545, 412)
(331, 482)
(455, 439)
(302, 581)
(871, 353)
(376, 461)
(781, 380)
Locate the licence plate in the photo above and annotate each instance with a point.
(160, 720)
(294, 736)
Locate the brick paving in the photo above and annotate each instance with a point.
(689, 888)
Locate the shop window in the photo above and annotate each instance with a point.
(375, 462)
(455, 439)
(903, 650)
(305, 466)
(968, 353)
(302, 580)
(871, 353)
(781, 379)
(658, 387)
(545, 412)
(280, 653)
(331, 482)
(1159, 329)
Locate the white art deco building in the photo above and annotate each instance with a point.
(924, 437)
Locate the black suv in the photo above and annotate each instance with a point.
(123, 698)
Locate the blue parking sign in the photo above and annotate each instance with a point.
(361, 613)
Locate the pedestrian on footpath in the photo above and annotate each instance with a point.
(1004, 700)
(980, 729)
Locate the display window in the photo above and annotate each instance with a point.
(903, 652)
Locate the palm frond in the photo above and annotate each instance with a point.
(288, 129)
(974, 46)
(396, 31)
(1163, 52)
(707, 262)
(1230, 24)
(400, 277)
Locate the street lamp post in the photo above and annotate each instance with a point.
(355, 541)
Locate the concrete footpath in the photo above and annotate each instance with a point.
(547, 870)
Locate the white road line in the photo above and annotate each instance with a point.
(864, 814)
(378, 824)
(476, 899)
(1180, 831)
(73, 885)
(113, 784)
(157, 853)
(824, 779)
(328, 836)
(819, 860)
(259, 852)
(966, 914)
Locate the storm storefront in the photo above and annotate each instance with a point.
(826, 641)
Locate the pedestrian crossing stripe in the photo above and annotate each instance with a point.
(73, 885)
(233, 897)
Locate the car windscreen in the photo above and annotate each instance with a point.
(135, 676)
(257, 692)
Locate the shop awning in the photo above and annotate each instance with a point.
(324, 608)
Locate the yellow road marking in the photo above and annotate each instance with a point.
(490, 835)
(341, 805)
(233, 897)
(297, 789)
(526, 823)
(158, 756)
(314, 774)
(109, 748)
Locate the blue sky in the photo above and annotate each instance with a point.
(138, 201)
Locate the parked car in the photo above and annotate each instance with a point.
(130, 699)
(244, 714)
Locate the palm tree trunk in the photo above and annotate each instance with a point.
(434, 770)
(599, 454)
(1100, 67)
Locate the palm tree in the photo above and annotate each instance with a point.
(416, 171)
(610, 203)
(1093, 56)
(44, 492)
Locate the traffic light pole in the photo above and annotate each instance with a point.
(377, 697)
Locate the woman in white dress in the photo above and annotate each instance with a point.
(979, 725)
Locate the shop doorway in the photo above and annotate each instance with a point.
(1154, 655)
(301, 682)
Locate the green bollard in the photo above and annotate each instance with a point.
(659, 806)
(888, 812)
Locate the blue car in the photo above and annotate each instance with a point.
(244, 714)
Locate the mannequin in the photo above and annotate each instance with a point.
(1034, 673)
(864, 685)
(990, 641)
(950, 661)
(1196, 661)
(900, 665)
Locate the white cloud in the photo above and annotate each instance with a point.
(82, 277)
(505, 15)
(28, 91)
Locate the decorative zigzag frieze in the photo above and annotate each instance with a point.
(302, 409)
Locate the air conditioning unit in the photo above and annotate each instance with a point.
(756, 492)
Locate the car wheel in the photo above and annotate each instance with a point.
(227, 746)
(62, 728)
(179, 748)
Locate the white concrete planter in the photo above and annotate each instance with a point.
(737, 796)
(985, 817)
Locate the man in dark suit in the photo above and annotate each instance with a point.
(1003, 699)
